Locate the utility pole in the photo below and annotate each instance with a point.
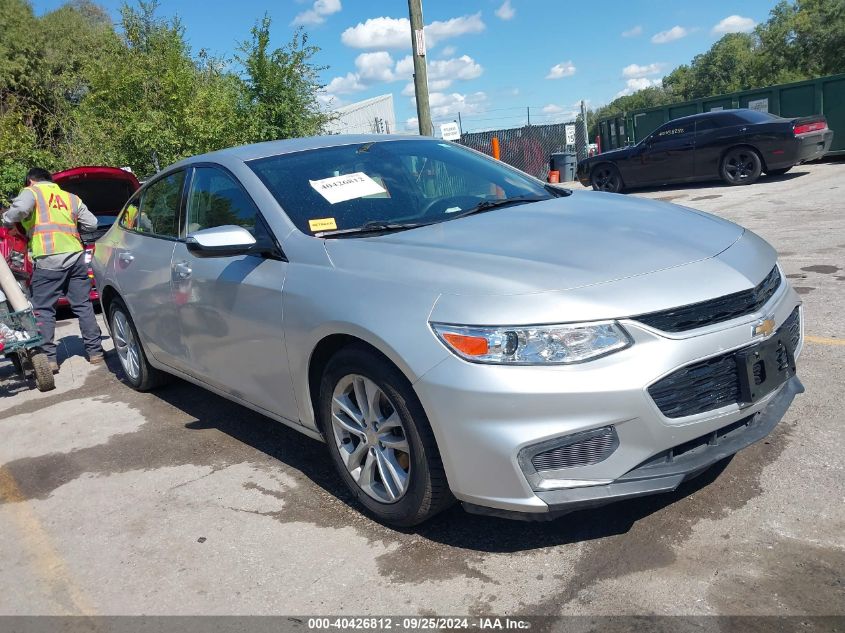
(528, 111)
(586, 128)
(420, 71)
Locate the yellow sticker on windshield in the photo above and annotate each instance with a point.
(322, 224)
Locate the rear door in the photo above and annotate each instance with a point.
(668, 155)
(142, 265)
(230, 308)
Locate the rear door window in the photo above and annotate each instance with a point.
(704, 126)
(156, 213)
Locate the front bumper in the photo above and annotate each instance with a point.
(485, 417)
(667, 471)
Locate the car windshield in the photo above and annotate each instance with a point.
(352, 188)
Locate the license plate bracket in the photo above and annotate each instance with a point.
(764, 367)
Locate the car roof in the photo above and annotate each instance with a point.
(289, 146)
(707, 115)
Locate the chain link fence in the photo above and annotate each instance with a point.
(527, 148)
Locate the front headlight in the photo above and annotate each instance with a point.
(533, 344)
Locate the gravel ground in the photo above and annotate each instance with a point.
(179, 502)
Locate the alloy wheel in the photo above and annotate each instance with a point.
(126, 345)
(371, 438)
(739, 166)
(606, 180)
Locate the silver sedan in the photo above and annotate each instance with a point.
(451, 327)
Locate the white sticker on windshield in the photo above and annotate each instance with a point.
(346, 187)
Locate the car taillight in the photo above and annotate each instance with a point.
(806, 128)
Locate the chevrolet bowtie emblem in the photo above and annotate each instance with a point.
(764, 327)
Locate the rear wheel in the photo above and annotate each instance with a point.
(778, 172)
(139, 373)
(606, 177)
(380, 439)
(741, 166)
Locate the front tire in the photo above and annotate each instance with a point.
(139, 373)
(380, 440)
(606, 177)
(741, 166)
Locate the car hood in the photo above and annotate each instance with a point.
(612, 154)
(560, 244)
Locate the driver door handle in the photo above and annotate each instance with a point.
(126, 257)
(182, 270)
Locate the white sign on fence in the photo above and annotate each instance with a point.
(761, 105)
(450, 131)
(570, 134)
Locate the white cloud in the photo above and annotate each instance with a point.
(376, 66)
(564, 69)
(553, 113)
(638, 83)
(409, 90)
(633, 32)
(462, 68)
(384, 32)
(675, 33)
(317, 13)
(447, 105)
(347, 84)
(405, 67)
(464, 25)
(506, 11)
(412, 124)
(734, 24)
(449, 51)
(441, 72)
(635, 70)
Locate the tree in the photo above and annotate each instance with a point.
(728, 66)
(800, 40)
(281, 86)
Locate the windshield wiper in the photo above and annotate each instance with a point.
(374, 226)
(489, 205)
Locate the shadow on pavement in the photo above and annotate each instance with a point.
(455, 527)
(717, 184)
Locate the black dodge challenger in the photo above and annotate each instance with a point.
(734, 145)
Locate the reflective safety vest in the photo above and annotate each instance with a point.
(52, 226)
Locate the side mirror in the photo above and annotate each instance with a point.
(220, 241)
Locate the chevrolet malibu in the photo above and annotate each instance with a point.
(450, 327)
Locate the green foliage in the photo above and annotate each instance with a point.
(800, 40)
(281, 85)
(728, 66)
(76, 90)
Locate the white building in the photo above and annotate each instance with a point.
(371, 116)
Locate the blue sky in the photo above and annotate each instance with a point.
(490, 60)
